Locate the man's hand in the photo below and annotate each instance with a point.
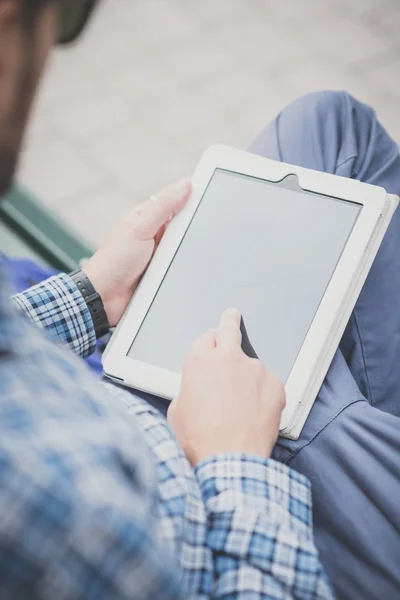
(118, 265)
(228, 402)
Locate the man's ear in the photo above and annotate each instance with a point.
(10, 16)
(10, 26)
(10, 47)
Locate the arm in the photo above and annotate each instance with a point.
(260, 529)
(226, 418)
(58, 306)
(78, 491)
(114, 271)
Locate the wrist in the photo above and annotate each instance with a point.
(261, 452)
(106, 290)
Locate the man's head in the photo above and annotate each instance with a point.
(28, 30)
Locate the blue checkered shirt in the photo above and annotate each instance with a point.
(97, 500)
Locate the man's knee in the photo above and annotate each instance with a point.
(333, 110)
(321, 103)
(297, 134)
(321, 130)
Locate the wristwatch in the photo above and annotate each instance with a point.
(93, 302)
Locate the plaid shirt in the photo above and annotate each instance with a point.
(97, 500)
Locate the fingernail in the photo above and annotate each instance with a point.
(182, 186)
(235, 313)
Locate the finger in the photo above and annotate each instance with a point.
(203, 344)
(153, 214)
(228, 335)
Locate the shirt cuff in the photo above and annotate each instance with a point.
(228, 481)
(58, 306)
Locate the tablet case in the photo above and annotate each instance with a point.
(312, 182)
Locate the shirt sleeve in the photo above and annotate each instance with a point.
(58, 306)
(260, 530)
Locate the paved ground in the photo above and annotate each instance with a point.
(154, 82)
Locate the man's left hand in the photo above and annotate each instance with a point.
(116, 268)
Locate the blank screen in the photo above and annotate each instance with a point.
(255, 246)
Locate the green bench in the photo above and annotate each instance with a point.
(28, 229)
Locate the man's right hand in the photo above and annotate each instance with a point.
(228, 402)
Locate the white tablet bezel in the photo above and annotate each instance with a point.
(163, 383)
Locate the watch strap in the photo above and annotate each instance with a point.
(93, 302)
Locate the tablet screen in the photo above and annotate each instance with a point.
(253, 245)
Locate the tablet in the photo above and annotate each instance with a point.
(289, 247)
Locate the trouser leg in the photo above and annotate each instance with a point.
(349, 449)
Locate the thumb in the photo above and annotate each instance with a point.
(151, 215)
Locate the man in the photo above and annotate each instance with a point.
(97, 499)
(97, 502)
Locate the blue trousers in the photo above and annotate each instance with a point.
(350, 446)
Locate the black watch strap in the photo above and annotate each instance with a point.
(93, 302)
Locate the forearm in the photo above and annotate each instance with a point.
(260, 529)
(57, 306)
